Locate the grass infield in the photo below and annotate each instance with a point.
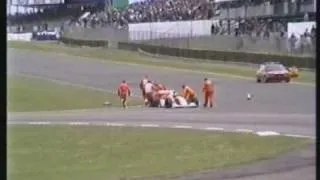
(30, 94)
(164, 62)
(92, 152)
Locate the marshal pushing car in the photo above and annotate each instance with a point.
(273, 72)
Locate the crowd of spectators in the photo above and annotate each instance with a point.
(152, 11)
(269, 28)
(257, 26)
(305, 43)
(252, 27)
(149, 11)
(167, 10)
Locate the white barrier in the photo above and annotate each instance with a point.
(19, 36)
(298, 28)
(156, 30)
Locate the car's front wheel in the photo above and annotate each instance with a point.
(264, 79)
(168, 103)
(288, 80)
(258, 80)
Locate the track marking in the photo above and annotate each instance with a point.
(259, 133)
(182, 127)
(78, 123)
(298, 136)
(267, 133)
(116, 124)
(214, 129)
(149, 125)
(39, 123)
(103, 124)
(58, 113)
(244, 130)
(62, 82)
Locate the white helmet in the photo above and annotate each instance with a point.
(175, 93)
(171, 92)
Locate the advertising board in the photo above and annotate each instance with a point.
(35, 2)
(298, 28)
(158, 30)
(19, 36)
(46, 36)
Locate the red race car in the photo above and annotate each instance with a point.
(273, 72)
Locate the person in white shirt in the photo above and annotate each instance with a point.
(148, 89)
(142, 84)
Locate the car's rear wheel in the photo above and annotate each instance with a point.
(288, 80)
(168, 103)
(154, 103)
(258, 80)
(264, 79)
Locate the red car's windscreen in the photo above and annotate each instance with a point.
(274, 68)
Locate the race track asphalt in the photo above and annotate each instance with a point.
(284, 108)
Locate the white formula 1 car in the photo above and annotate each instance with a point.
(170, 99)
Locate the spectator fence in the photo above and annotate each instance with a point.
(274, 44)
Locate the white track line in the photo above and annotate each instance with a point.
(78, 123)
(149, 125)
(39, 123)
(267, 133)
(298, 136)
(116, 124)
(259, 133)
(68, 83)
(103, 124)
(182, 127)
(214, 129)
(244, 130)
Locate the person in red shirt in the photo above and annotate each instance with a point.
(123, 92)
(209, 93)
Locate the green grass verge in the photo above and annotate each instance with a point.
(28, 94)
(93, 152)
(138, 58)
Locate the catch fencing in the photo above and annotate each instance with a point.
(243, 43)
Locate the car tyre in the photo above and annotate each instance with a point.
(154, 103)
(288, 80)
(168, 103)
(197, 102)
(258, 80)
(264, 79)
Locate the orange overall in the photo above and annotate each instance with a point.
(189, 94)
(157, 88)
(209, 93)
